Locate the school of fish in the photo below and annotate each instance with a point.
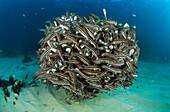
(87, 55)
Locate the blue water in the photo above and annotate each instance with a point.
(20, 21)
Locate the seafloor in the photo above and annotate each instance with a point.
(151, 92)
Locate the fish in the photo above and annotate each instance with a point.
(43, 30)
(138, 51)
(72, 76)
(89, 72)
(90, 32)
(65, 41)
(105, 27)
(60, 54)
(91, 49)
(91, 19)
(104, 11)
(62, 75)
(42, 57)
(56, 35)
(59, 20)
(113, 27)
(56, 55)
(95, 16)
(86, 19)
(82, 58)
(118, 41)
(48, 29)
(58, 82)
(120, 85)
(92, 42)
(126, 25)
(103, 43)
(43, 75)
(80, 19)
(67, 13)
(73, 90)
(122, 46)
(95, 84)
(46, 38)
(112, 69)
(101, 89)
(91, 67)
(73, 61)
(103, 73)
(130, 65)
(98, 36)
(80, 66)
(64, 26)
(57, 29)
(70, 38)
(134, 64)
(113, 55)
(78, 36)
(101, 48)
(40, 41)
(82, 32)
(85, 76)
(123, 34)
(134, 15)
(116, 64)
(108, 61)
(55, 23)
(110, 21)
(95, 27)
(102, 60)
(110, 87)
(51, 24)
(49, 44)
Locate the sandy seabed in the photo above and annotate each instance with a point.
(150, 93)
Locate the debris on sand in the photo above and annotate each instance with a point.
(8, 54)
(16, 87)
(26, 59)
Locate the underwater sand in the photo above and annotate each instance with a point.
(151, 92)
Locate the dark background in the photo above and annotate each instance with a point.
(21, 33)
